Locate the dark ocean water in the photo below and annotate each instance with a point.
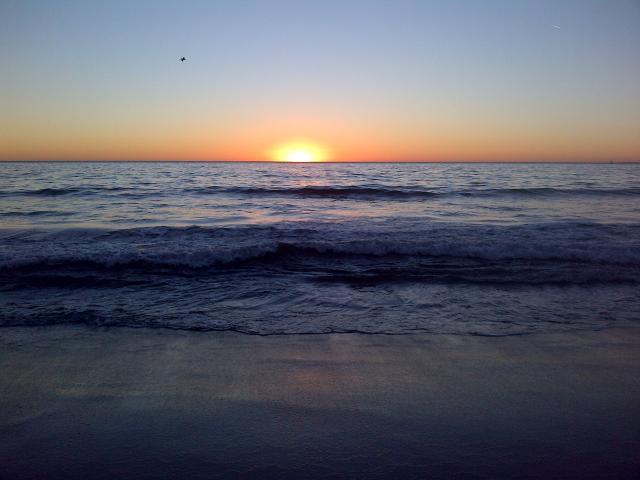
(484, 249)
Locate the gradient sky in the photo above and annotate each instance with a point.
(370, 80)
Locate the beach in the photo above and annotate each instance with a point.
(320, 240)
(82, 402)
(280, 321)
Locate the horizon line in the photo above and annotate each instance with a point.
(584, 162)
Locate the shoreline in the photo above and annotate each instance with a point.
(167, 329)
(106, 402)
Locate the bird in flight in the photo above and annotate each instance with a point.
(182, 59)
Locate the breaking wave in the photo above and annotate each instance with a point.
(208, 247)
(532, 254)
(327, 191)
(412, 193)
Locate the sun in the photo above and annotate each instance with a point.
(299, 152)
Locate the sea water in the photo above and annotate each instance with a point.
(266, 248)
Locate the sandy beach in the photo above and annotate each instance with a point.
(80, 402)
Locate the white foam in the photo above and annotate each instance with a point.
(205, 247)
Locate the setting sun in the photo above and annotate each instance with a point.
(302, 152)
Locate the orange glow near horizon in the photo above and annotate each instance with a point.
(299, 152)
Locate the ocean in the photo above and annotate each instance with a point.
(267, 248)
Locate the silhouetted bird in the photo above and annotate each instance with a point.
(183, 59)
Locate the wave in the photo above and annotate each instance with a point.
(208, 247)
(56, 192)
(378, 277)
(319, 191)
(548, 192)
(389, 192)
(47, 192)
(32, 213)
(392, 192)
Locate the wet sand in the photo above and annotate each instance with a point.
(79, 402)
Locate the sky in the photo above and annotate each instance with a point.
(395, 80)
